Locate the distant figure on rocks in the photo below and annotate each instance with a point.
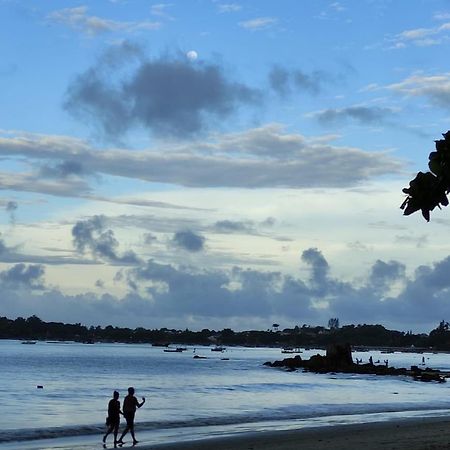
(130, 404)
(113, 419)
(371, 361)
(386, 362)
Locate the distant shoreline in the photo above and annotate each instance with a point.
(307, 336)
(356, 348)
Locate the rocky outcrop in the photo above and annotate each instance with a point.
(338, 358)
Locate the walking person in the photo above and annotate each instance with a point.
(130, 404)
(113, 419)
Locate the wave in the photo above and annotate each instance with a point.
(284, 415)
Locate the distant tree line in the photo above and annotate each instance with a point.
(33, 328)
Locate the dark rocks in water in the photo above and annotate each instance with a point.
(290, 363)
(338, 358)
(427, 374)
(339, 355)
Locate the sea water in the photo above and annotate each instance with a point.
(62, 389)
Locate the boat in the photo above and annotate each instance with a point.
(218, 348)
(291, 350)
(175, 350)
(28, 342)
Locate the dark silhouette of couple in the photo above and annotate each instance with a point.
(130, 404)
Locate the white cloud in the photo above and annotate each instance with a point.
(257, 158)
(421, 37)
(160, 10)
(78, 19)
(228, 7)
(259, 23)
(442, 16)
(434, 87)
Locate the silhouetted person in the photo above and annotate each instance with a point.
(130, 404)
(371, 361)
(113, 418)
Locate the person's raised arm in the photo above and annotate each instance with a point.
(140, 404)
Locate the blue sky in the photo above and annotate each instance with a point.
(212, 164)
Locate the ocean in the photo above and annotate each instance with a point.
(222, 393)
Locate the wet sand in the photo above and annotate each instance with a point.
(410, 434)
(424, 434)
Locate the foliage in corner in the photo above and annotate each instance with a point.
(430, 189)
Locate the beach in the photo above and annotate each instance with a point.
(420, 434)
(417, 434)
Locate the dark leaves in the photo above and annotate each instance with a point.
(430, 189)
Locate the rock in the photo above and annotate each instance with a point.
(338, 358)
(317, 363)
(339, 355)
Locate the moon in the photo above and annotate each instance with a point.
(192, 55)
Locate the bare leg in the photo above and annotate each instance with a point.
(132, 435)
(110, 428)
(123, 434)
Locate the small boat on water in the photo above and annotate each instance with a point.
(28, 342)
(218, 348)
(175, 350)
(291, 350)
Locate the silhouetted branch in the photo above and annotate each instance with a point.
(430, 189)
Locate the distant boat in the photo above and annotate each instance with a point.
(175, 350)
(28, 342)
(291, 350)
(218, 348)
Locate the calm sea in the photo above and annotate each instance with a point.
(224, 392)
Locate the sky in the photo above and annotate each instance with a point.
(222, 164)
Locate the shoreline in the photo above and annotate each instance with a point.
(405, 434)
(400, 434)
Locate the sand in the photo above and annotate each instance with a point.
(411, 434)
(423, 434)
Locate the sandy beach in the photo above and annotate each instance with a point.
(416, 434)
(412, 435)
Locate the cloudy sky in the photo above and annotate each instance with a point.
(221, 163)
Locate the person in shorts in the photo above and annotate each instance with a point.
(113, 419)
(130, 404)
